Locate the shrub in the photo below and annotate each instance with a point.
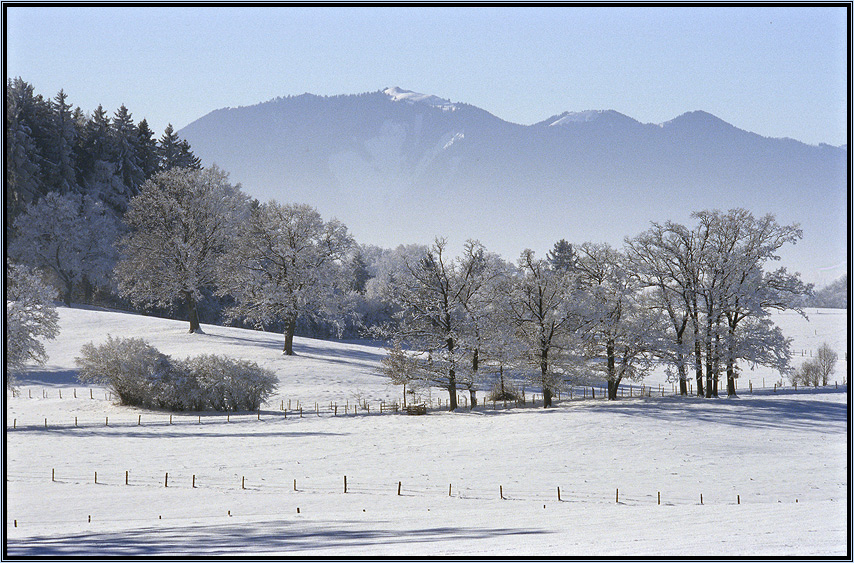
(142, 376)
(505, 392)
(808, 373)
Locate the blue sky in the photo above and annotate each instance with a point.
(777, 71)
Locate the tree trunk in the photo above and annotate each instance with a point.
(544, 370)
(612, 370)
(717, 364)
(680, 366)
(193, 313)
(290, 328)
(730, 365)
(452, 373)
(710, 365)
(613, 386)
(475, 363)
(69, 288)
(698, 364)
(547, 397)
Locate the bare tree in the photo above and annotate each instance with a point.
(826, 361)
(542, 314)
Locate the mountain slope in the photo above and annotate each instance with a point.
(398, 167)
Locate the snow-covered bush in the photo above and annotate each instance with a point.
(226, 384)
(142, 376)
(135, 371)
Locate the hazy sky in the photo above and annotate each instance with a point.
(779, 72)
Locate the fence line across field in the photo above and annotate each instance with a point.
(507, 490)
(358, 408)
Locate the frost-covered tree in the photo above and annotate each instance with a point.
(826, 361)
(736, 286)
(127, 152)
(179, 227)
(69, 236)
(30, 317)
(542, 313)
(23, 156)
(482, 275)
(286, 262)
(663, 260)
(440, 301)
(618, 326)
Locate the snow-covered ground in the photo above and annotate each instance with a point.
(772, 467)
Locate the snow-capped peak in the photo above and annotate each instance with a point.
(398, 94)
(578, 117)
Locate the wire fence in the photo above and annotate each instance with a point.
(288, 409)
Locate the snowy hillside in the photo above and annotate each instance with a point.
(86, 476)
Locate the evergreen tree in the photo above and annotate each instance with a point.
(23, 156)
(147, 152)
(562, 256)
(64, 135)
(175, 152)
(127, 152)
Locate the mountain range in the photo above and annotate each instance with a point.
(400, 167)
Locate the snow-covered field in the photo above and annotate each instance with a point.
(772, 467)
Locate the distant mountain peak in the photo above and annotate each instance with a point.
(587, 116)
(698, 117)
(398, 94)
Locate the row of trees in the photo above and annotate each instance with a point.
(694, 298)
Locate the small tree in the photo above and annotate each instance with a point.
(825, 362)
(30, 316)
(808, 373)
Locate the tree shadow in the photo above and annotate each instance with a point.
(279, 536)
(757, 411)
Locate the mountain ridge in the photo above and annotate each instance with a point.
(398, 166)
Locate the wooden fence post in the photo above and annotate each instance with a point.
(501, 491)
(618, 495)
(166, 480)
(558, 494)
(345, 484)
(399, 484)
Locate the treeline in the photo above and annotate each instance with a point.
(104, 213)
